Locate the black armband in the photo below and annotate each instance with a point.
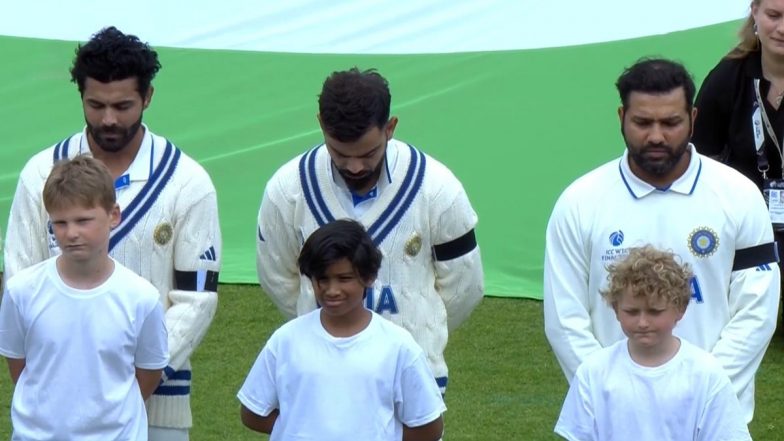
(755, 256)
(189, 281)
(455, 248)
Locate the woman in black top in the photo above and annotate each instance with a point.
(740, 117)
(726, 101)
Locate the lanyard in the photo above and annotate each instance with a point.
(758, 117)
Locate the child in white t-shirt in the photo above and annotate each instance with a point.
(84, 336)
(342, 372)
(651, 385)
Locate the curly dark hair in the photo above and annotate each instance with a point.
(353, 101)
(111, 55)
(343, 238)
(655, 76)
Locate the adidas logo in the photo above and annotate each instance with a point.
(209, 255)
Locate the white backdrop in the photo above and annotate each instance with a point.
(365, 26)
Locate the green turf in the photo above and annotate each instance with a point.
(504, 382)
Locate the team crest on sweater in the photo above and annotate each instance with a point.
(163, 233)
(703, 242)
(413, 244)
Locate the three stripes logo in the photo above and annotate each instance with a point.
(764, 267)
(209, 255)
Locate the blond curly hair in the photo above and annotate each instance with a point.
(652, 273)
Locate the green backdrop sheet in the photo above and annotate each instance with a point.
(516, 127)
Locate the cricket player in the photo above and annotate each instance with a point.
(169, 233)
(414, 208)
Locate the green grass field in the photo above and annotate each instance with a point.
(504, 381)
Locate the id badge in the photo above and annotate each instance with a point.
(773, 190)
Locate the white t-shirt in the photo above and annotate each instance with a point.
(687, 398)
(363, 387)
(81, 348)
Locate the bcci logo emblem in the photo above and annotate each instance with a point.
(703, 242)
(616, 238)
(163, 233)
(413, 245)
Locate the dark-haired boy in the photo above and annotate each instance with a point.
(342, 371)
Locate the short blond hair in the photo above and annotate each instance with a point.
(652, 273)
(82, 181)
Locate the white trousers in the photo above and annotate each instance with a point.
(167, 434)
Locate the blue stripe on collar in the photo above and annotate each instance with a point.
(392, 214)
(142, 203)
(402, 200)
(661, 189)
(625, 182)
(309, 183)
(61, 149)
(316, 190)
(696, 178)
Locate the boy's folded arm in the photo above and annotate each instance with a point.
(15, 367)
(257, 422)
(149, 380)
(431, 431)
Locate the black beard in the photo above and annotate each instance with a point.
(361, 183)
(114, 146)
(658, 168)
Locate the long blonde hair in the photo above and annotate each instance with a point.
(748, 39)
